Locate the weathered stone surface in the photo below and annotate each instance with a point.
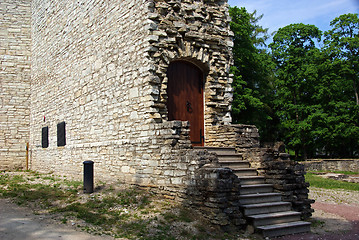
(351, 165)
(197, 32)
(102, 68)
(240, 136)
(15, 71)
(215, 192)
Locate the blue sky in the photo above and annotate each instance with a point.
(280, 13)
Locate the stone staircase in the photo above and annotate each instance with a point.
(264, 209)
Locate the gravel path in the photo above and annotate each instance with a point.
(336, 216)
(334, 196)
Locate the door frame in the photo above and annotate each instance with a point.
(204, 72)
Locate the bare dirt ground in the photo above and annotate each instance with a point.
(336, 217)
(20, 223)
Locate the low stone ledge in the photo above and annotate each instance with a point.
(235, 135)
(350, 165)
(215, 193)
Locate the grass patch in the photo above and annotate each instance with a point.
(327, 183)
(23, 192)
(341, 172)
(317, 223)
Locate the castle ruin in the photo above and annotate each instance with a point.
(139, 87)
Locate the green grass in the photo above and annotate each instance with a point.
(18, 188)
(341, 172)
(317, 181)
(317, 223)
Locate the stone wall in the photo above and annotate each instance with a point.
(240, 136)
(90, 69)
(351, 165)
(101, 67)
(214, 192)
(15, 64)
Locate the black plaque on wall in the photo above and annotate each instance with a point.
(45, 137)
(61, 134)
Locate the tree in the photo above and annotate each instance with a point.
(340, 101)
(343, 43)
(334, 131)
(294, 53)
(299, 93)
(252, 73)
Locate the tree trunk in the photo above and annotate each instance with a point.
(356, 92)
(305, 156)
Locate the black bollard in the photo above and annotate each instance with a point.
(88, 176)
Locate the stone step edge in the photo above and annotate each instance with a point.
(226, 154)
(270, 194)
(243, 169)
(230, 158)
(214, 148)
(232, 161)
(251, 177)
(273, 215)
(246, 186)
(260, 205)
(283, 225)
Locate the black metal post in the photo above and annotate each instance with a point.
(88, 176)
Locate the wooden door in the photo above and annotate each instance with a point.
(185, 98)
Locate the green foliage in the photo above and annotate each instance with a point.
(252, 73)
(316, 93)
(295, 54)
(299, 93)
(340, 76)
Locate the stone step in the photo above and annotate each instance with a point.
(274, 218)
(218, 150)
(263, 208)
(259, 198)
(247, 180)
(230, 157)
(281, 229)
(256, 188)
(228, 154)
(244, 171)
(234, 164)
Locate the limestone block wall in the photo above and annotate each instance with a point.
(100, 67)
(15, 63)
(90, 69)
(240, 136)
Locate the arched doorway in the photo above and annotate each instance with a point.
(185, 98)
